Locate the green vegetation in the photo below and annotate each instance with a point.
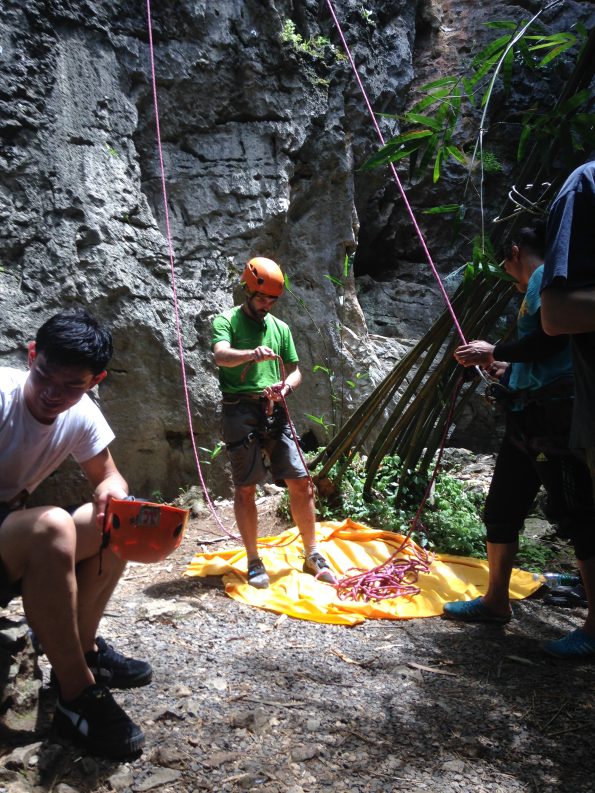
(451, 521)
(314, 46)
(210, 454)
(367, 16)
(432, 134)
(407, 413)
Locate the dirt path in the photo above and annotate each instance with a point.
(245, 700)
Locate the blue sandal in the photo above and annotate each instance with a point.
(577, 644)
(473, 611)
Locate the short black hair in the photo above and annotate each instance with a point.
(75, 338)
(529, 238)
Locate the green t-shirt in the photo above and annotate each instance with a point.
(244, 333)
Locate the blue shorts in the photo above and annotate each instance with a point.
(257, 443)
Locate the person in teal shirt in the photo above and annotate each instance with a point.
(253, 349)
(535, 449)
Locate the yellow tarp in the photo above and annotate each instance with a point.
(347, 545)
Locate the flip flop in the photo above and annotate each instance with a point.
(473, 611)
(575, 645)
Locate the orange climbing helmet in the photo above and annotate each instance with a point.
(139, 531)
(264, 276)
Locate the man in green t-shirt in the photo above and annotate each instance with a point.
(248, 345)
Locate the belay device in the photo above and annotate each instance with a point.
(140, 531)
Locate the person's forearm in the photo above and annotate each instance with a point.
(293, 379)
(113, 485)
(568, 311)
(536, 346)
(231, 357)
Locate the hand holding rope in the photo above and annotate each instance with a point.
(276, 394)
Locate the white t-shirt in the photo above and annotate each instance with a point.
(29, 450)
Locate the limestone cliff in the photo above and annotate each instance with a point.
(263, 132)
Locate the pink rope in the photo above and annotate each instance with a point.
(391, 579)
(397, 577)
(173, 282)
(395, 175)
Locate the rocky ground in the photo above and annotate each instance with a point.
(247, 700)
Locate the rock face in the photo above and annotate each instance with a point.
(20, 681)
(257, 138)
(263, 131)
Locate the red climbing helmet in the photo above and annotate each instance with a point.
(264, 276)
(139, 531)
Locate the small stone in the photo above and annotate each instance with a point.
(20, 757)
(220, 758)
(163, 776)
(121, 780)
(242, 719)
(218, 683)
(260, 719)
(455, 766)
(169, 756)
(301, 753)
(89, 766)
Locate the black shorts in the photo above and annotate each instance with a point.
(257, 443)
(8, 589)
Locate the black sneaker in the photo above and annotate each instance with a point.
(112, 669)
(567, 597)
(257, 575)
(96, 721)
(317, 566)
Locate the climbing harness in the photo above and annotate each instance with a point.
(278, 389)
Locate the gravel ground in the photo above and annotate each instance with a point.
(244, 699)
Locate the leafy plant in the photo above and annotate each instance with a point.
(367, 16)
(408, 412)
(450, 523)
(431, 127)
(484, 261)
(212, 454)
(314, 46)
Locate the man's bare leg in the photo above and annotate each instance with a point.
(38, 546)
(94, 590)
(244, 504)
(501, 558)
(303, 512)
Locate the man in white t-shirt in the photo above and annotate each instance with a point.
(52, 557)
